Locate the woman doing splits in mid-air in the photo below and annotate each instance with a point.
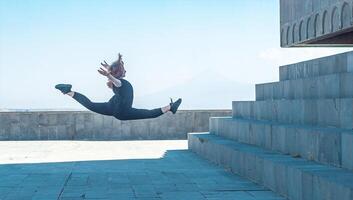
(120, 105)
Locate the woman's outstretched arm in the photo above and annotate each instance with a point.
(111, 78)
(114, 80)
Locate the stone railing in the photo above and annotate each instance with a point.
(83, 125)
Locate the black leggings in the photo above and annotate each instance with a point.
(113, 109)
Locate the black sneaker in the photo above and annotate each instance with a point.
(64, 88)
(174, 105)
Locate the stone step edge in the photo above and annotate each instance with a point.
(259, 87)
(276, 123)
(330, 61)
(310, 99)
(271, 138)
(284, 174)
(330, 112)
(305, 78)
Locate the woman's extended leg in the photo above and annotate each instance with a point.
(101, 108)
(134, 113)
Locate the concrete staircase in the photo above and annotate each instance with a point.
(297, 137)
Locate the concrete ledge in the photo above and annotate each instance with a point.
(321, 87)
(339, 63)
(330, 146)
(317, 112)
(293, 178)
(84, 125)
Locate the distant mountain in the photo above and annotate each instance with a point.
(208, 90)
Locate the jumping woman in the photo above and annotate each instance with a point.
(120, 105)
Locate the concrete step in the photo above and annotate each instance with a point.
(328, 86)
(317, 112)
(330, 146)
(338, 63)
(294, 178)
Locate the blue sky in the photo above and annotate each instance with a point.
(166, 44)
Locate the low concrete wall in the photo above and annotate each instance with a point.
(83, 125)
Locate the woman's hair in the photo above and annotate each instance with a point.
(119, 63)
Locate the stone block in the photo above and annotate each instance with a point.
(259, 92)
(281, 176)
(250, 166)
(269, 178)
(257, 134)
(307, 140)
(349, 61)
(183, 124)
(346, 113)
(346, 82)
(339, 63)
(140, 129)
(347, 150)
(243, 130)
(268, 90)
(214, 125)
(310, 112)
(259, 170)
(284, 111)
(242, 108)
(311, 88)
(329, 86)
(329, 147)
(225, 156)
(279, 139)
(328, 112)
(45, 131)
(294, 183)
(296, 112)
(290, 146)
(235, 160)
(298, 88)
(4, 134)
(278, 90)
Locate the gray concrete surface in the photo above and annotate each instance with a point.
(316, 23)
(296, 139)
(321, 87)
(119, 170)
(317, 112)
(330, 146)
(294, 178)
(339, 63)
(76, 125)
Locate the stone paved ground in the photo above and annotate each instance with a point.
(145, 170)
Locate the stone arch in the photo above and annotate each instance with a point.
(310, 29)
(283, 39)
(317, 25)
(287, 35)
(325, 23)
(295, 34)
(346, 15)
(335, 20)
(301, 31)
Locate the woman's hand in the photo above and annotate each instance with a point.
(103, 72)
(105, 65)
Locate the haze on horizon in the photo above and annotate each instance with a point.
(207, 52)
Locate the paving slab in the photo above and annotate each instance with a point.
(145, 170)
